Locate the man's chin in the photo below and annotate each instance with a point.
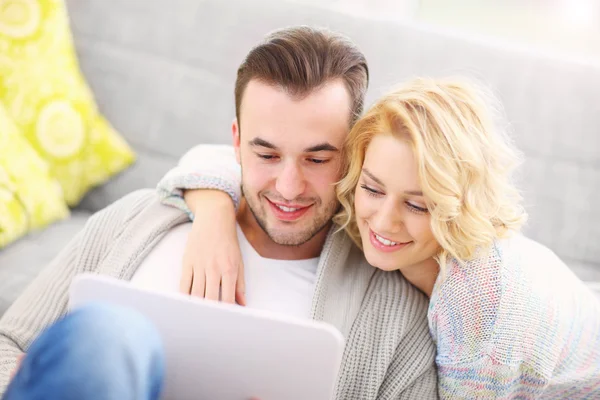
(288, 238)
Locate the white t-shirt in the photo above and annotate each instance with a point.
(276, 285)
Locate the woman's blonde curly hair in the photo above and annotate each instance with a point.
(465, 163)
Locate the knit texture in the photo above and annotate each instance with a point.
(217, 169)
(515, 323)
(388, 354)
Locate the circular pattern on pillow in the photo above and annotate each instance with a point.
(29, 197)
(19, 18)
(48, 99)
(60, 130)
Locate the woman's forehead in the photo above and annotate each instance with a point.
(392, 161)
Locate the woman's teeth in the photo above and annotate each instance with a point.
(384, 241)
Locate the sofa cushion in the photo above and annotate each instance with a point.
(22, 261)
(49, 100)
(29, 197)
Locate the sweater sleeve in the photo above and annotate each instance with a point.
(206, 166)
(45, 299)
(479, 317)
(417, 378)
(487, 378)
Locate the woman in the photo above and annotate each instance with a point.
(428, 192)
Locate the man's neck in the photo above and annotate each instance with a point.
(267, 248)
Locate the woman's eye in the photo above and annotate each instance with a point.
(370, 191)
(317, 161)
(416, 209)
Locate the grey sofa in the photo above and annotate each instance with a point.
(163, 73)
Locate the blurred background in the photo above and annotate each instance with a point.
(102, 97)
(566, 26)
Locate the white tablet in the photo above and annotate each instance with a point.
(218, 351)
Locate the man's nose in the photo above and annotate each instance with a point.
(290, 182)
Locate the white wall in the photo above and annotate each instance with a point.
(566, 26)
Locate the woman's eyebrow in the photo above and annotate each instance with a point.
(373, 177)
(378, 181)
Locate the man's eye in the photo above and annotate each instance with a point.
(266, 156)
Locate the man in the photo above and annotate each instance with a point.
(297, 94)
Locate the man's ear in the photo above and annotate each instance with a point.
(235, 131)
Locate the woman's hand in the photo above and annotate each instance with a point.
(212, 260)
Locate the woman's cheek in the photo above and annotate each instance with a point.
(358, 206)
(362, 204)
(419, 227)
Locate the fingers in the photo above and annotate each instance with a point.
(185, 283)
(240, 290)
(213, 283)
(216, 284)
(228, 283)
(198, 284)
(240, 298)
(210, 284)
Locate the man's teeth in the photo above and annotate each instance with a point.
(286, 209)
(385, 241)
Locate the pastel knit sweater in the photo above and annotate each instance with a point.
(513, 323)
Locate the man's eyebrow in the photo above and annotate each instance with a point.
(262, 143)
(321, 147)
(378, 181)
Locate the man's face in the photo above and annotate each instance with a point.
(290, 152)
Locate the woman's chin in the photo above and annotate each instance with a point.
(380, 260)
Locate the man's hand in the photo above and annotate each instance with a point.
(212, 260)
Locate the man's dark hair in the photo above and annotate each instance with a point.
(303, 59)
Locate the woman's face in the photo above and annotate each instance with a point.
(391, 212)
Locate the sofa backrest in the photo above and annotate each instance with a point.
(163, 74)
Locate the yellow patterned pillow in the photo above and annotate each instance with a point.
(29, 197)
(47, 97)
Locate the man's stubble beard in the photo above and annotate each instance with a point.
(295, 238)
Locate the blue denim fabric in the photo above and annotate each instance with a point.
(98, 352)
